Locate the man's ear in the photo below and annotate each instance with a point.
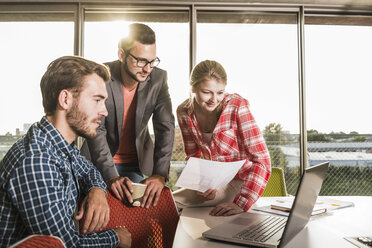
(121, 55)
(65, 99)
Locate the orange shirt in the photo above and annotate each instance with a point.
(127, 152)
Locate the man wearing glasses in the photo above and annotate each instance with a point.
(123, 150)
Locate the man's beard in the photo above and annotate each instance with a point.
(78, 122)
(131, 74)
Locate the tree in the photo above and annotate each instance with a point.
(338, 135)
(359, 139)
(273, 134)
(314, 135)
(278, 158)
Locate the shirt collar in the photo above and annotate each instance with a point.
(56, 137)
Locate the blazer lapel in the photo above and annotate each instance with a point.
(117, 95)
(142, 94)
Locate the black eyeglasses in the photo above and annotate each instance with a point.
(143, 62)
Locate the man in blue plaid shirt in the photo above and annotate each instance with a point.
(42, 174)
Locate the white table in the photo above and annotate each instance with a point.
(321, 231)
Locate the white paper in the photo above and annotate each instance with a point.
(201, 175)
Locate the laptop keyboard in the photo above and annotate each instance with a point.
(263, 230)
(366, 240)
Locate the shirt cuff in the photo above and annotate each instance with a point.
(109, 237)
(97, 185)
(104, 189)
(243, 202)
(114, 237)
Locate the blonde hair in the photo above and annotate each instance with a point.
(207, 70)
(204, 71)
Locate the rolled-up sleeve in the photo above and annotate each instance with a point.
(257, 169)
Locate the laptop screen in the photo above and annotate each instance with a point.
(306, 195)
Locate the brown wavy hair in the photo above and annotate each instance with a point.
(67, 72)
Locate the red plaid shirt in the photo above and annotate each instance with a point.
(235, 137)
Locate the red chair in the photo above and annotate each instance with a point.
(39, 241)
(149, 227)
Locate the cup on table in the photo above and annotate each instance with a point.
(138, 192)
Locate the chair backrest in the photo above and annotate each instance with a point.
(149, 227)
(276, 184)
(39, 241)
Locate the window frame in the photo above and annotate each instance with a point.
(357, 14)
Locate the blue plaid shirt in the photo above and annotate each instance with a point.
(39, 188)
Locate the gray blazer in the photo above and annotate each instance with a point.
(152, 99)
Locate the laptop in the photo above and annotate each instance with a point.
(262, 230)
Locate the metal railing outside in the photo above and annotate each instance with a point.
(350, 158)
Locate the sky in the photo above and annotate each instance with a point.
(261, 62)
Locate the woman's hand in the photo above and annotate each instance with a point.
(225, 209)
(208, 195)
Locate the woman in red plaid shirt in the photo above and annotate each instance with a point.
(220, 127)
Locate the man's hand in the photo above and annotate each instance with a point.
(208, 195)
(155, 185)
(125, 238)
(96, 211)
(225, 209)
(121, 187)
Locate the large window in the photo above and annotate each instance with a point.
(257, 45)
(338, 76)
(26, 48)
(260, 55)
(103, 32)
